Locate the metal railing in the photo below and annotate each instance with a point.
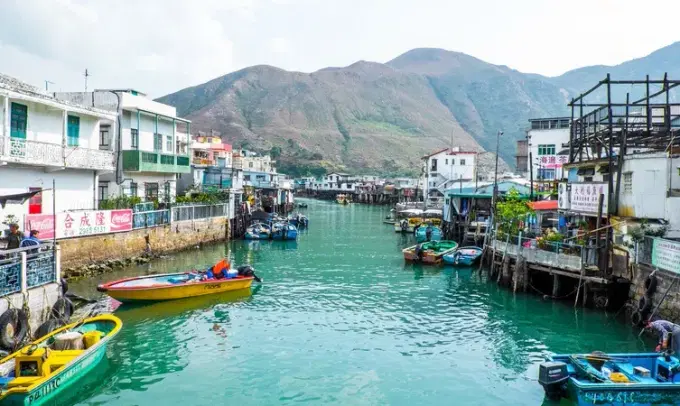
(555, 254)
(44, 153)
(659, 253)
(197, 212)
(24, 268)
(151, 218)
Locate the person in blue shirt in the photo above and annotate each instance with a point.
(665, 330)
(31, 240)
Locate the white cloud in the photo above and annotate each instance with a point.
(279, 45)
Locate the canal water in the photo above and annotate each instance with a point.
(340, 319)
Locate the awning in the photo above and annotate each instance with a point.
(18, 198)
(544, 205)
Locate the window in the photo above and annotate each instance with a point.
(133, 189)
(546, 174)
(151, 191)
(447, 162)
(247, 178)
(134, 138)
(18, 120)
(588, 179)
(35, 202)
(462, 162)
(628, 183)
(434, 165)
(546, 149)
(157, 142)
(250, 164)
(535, 125)
(222, 162)
(103, 191)
(168, 143)
(73, 131)
(104, 136)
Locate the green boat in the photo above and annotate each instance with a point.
(429, 252)
(40, 372)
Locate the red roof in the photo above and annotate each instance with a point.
(544, 205)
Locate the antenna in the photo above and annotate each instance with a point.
(47, 85)
(87, 75)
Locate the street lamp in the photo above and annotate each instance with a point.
(495, 174)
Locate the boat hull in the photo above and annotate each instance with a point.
(252, 236)
(58, 383)
(429, 256)
(172, 292)
(465, 256)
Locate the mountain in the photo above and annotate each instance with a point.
(382, 118)
(366, 116)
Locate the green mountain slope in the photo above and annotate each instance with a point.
(383, 117)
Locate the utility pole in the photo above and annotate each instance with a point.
(87, 75)
(495, 174)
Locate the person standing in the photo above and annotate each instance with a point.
(14, 238)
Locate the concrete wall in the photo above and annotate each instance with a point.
(117, 190)
(75, 188)
(670, 307)
(178, 236)
(557, 137)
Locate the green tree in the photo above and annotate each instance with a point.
(275, 152)
(511, 212)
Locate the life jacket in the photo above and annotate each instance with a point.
(220, 268)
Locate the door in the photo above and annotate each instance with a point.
(18, 121)
(73, 131)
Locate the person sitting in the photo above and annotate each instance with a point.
(30, 241)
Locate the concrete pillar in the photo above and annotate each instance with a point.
(5, 117)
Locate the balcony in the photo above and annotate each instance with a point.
(143, 161)
(22, 151)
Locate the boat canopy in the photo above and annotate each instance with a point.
(415, 212)
(434, 212)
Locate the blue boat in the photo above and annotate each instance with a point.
(284, 231)
(258, 231)
(421, 234)
(612, 379)
(299, 220)
(463, 256)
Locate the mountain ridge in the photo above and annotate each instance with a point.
(382, 117)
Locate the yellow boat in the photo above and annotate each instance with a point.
(43, 371)
(177, 285)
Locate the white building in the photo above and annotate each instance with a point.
(449, 164)
(546, 147)
(151, 150)
(42, 140)
(650, 190)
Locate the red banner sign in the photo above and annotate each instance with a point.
(79, 223)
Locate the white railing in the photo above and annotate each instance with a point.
(89, 159)
(47, 154)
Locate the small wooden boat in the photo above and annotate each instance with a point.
(463, 256)
(40, 372)
(614, 379)
(302, 205)
(176, 285)
(429, 252)
(284, 231)
(421, 234)
(258, 231)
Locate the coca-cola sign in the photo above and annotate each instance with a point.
(79, 223)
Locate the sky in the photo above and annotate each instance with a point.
(162, 46)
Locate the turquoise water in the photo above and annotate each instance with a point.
(340, 319)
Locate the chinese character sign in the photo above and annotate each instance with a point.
(666, 255)
(584, 197)
(80, 223)
(553, 161)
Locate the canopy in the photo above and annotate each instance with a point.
(544, 205)
(19, 198)
(412, 211)
(434, 212)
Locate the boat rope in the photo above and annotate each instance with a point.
(551, 296)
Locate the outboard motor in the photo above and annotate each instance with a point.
(245, 270)
(552, 375)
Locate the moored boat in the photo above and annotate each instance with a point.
(284, 231)
(463, 256)
(612, 379)
(435, 233)
(179, 285)
(40, 372)
(429, 252)
(407, 221)
(258, 231)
